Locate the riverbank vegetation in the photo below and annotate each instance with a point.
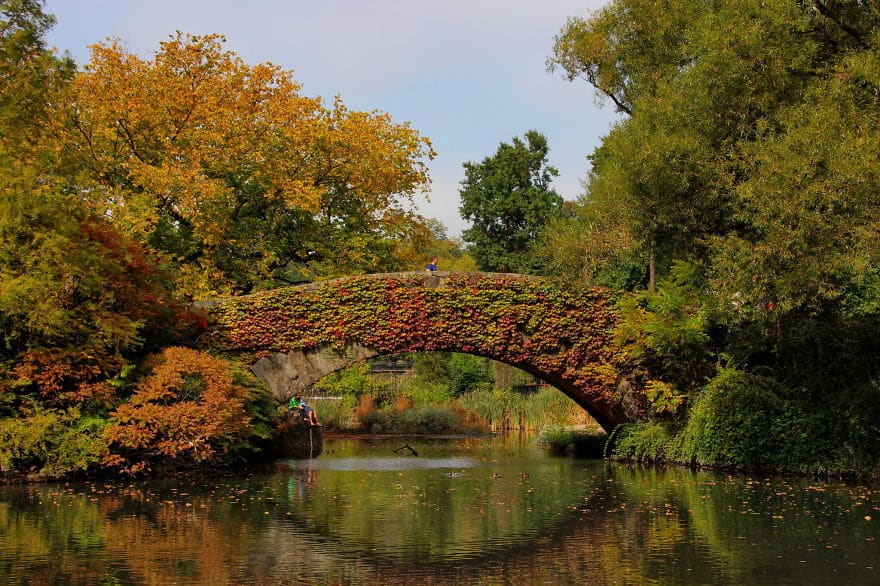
(442, 393)
(738, 198)
(586, 442)
(130, 187)
(733, 207)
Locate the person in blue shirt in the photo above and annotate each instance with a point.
(309, 415)
(432, 266)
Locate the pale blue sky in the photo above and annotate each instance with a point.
(467, 74)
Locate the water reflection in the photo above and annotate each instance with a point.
(480, 510)
(387, 464)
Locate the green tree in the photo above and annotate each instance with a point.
(749, 152)
(467, 372)
(626, 49)
(709, 113)
(508, 201)
(29, 75)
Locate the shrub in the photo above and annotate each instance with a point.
(374, 421)
(436, 419)
(425, 419)
(583, 443)
(742, 420)
(192, 408)
(51, 443)
(734, 422)
(643, 441)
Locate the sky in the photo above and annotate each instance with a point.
(468, 74)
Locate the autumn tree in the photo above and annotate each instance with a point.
(191, 408)
(430, 239)
(78, 300)
(508, 200)
(229, 171)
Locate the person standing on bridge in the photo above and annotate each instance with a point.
(432, 266)
(309, 415)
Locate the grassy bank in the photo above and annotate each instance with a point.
(583, 443)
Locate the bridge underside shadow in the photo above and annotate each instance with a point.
(295, 336)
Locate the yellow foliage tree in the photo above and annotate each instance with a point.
(225, 167)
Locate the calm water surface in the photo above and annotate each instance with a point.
(463, 511)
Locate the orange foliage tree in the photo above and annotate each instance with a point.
(228, 170)
(191, 408)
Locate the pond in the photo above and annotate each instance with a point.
(486, 510)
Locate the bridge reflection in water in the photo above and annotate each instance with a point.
(485, 510)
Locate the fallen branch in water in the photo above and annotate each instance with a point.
(406, 447)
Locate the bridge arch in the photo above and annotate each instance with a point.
(294, 336)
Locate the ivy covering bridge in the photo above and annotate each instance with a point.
(303, 333)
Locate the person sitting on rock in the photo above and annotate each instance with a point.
(309, 415)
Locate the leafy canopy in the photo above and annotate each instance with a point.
(508, 201)
(229, 171)
(748, 151)
(78, 299)
(29, 75)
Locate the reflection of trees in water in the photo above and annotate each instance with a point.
(108, 534)
(226, 535)
(319, 544)
(626, 525)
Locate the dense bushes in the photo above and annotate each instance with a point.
(49, 443)
(191, 408)
(745, 421)
(585, 443)
(186, 409)
(422, 419)
(734, 421)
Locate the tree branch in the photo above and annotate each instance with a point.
(830, 15)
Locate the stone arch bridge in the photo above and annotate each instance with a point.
(294, 336)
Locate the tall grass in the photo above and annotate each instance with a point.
(505, 409)
(336, 412)
(364, 403)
